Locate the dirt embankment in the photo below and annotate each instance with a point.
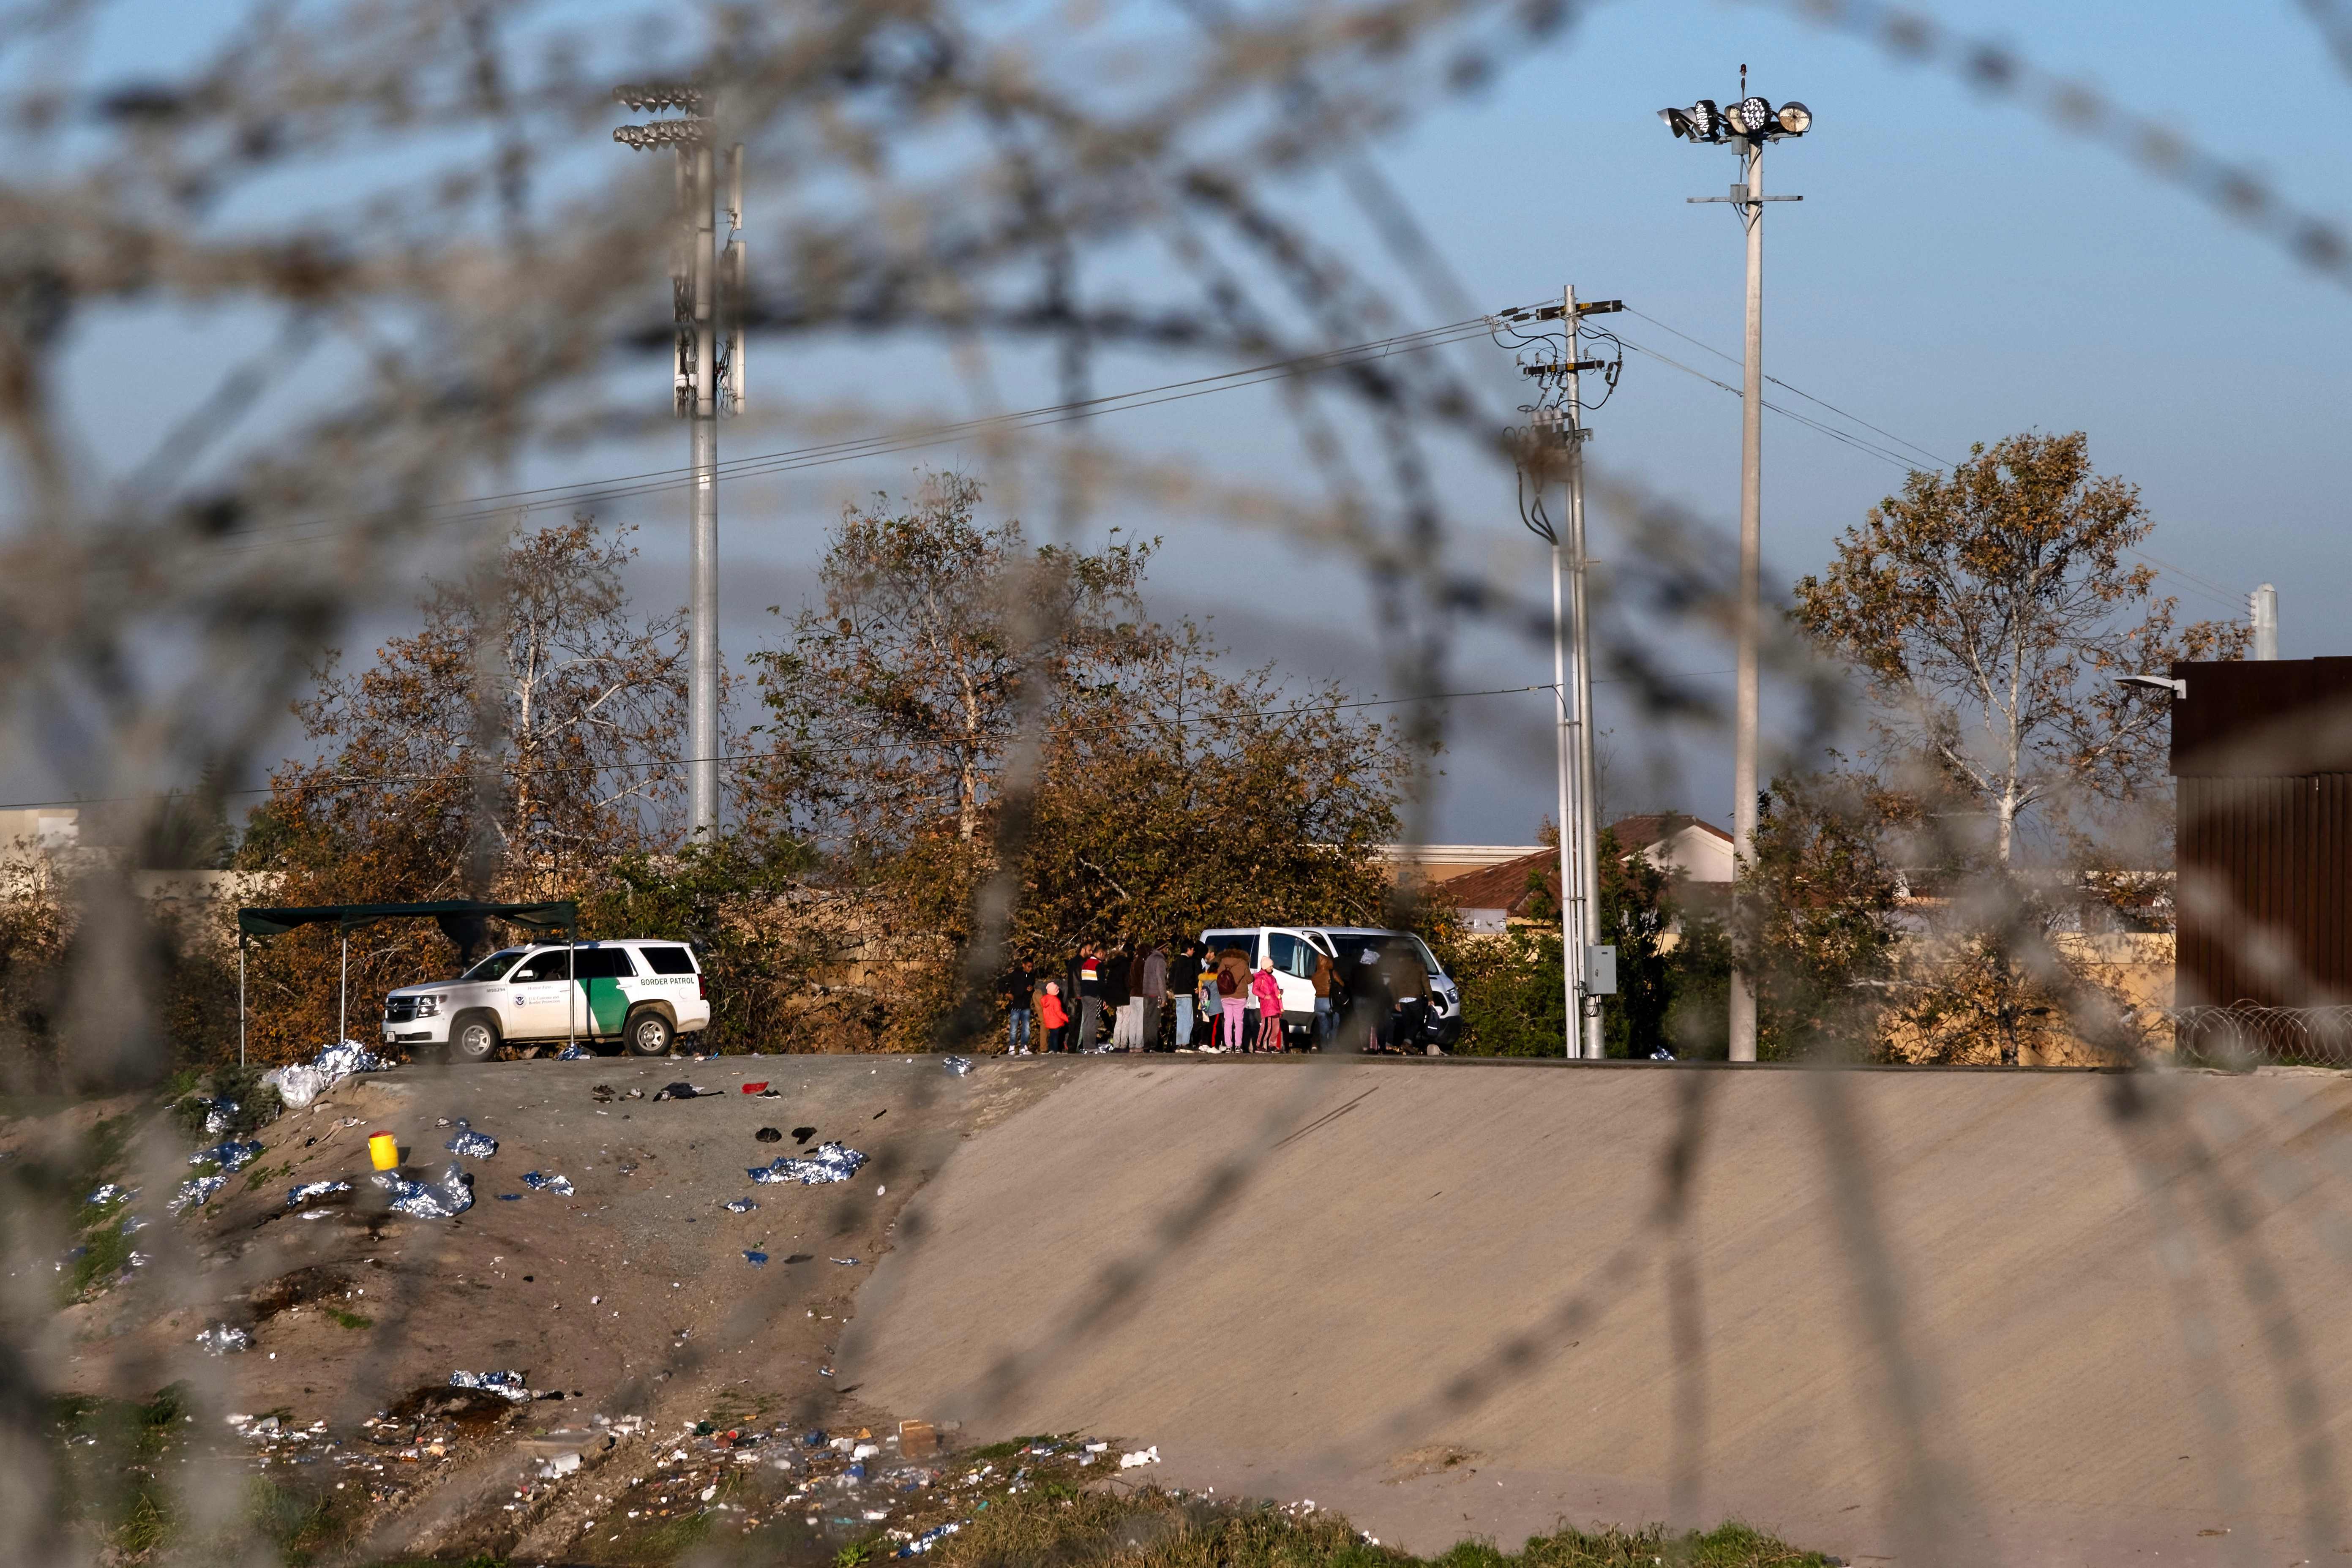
(628, 1303)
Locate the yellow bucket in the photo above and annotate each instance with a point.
(384, 1149)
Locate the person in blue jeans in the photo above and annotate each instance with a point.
(1019, 986)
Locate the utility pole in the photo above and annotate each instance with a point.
(1747, 126)
(2262, 607)
(1572, 924)
(1588, 795)
(707, 378)
(1554, 439)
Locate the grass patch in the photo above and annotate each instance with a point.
(261, 1175)
(112, 1450)
(1155, 1529)
(257, 1103)
(350, 1320)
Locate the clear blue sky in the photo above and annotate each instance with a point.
(1958, 270)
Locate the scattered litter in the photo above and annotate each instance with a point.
(108, 1193)
(138, 1260)
(132, 1225)
(803, 1134)
(505, 1384)
(447, 1199)
(846, 1262)
(316, 1213)
(769, 1135)
(756, 1259)
(741, 1205)
(959, 1066)
(196, 1190)
(509, 1197)
(561, 1465)
(1096, 1447)
(759, 1088)
(220, 1115)
(472, 1144)
(222, 1339)
(309, 1190)
(1140, 1457)
(574, 1052)
(298, 1086)
(930, 1539)
(829, 1161)
(603, 1094)
(232, 1155)
(559, 1185)
(681, 1090)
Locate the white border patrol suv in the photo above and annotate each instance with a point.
(638, 992)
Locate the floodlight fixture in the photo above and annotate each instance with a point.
(2178, 688)
(1748, 117)
(1795, 119)
(1702, 121)
(687, 132)
(640, 96)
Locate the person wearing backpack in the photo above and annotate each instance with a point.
(1230, 1002)
(1326, 982)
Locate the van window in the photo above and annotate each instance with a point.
(668, 960)
(1290, 954)
(1353, 946)
(1246, 941)
(604, 963)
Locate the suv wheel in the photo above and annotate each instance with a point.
(648, 1034)
(474, 1038)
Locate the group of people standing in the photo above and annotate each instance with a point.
(1189, 997)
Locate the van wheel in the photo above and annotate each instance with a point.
(648, 1034)
(474, 1038)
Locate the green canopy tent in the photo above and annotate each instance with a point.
(461, 920)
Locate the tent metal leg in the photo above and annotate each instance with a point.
(343, 996)
(571, 990)
(240, 1001)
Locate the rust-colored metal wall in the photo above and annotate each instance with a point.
(2263, 755)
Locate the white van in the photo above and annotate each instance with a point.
(1293, 951)
(639, 993)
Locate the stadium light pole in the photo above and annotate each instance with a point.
(706, 288)
(1745, 127)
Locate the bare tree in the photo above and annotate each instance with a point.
(1989, 608)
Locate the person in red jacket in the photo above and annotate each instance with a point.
(1268, 992)
(1055, 1016)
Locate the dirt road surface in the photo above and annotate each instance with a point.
(1431, 1294)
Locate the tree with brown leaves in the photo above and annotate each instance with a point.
(584, 706)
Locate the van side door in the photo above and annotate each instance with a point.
(1293, 969)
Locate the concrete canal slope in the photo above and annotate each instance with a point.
(1303, 1279)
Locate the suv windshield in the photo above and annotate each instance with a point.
(493, 966)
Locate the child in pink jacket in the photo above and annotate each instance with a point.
(1268, 992)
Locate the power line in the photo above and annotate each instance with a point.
(490, 507)
(2194, 584)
